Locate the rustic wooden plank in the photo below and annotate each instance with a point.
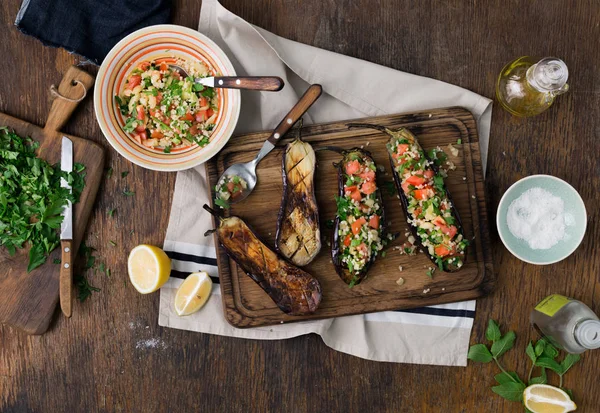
(247, 305)
(92, 361)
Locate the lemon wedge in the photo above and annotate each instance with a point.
(543, 398)
(149, 268)
(193, 293)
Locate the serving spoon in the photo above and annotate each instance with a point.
(265, 83)
(247, 171)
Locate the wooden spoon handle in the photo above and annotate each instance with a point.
(305, 102)
(269, 84)
(74, 85)
(66, 277)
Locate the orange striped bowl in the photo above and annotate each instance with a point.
(152, 43)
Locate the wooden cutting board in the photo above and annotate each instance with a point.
(247, 305)
(28, 300)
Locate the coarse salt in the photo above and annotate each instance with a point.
(538, 218)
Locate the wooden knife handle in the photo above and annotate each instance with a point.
(66, 277)
(305, 102)
(269, 84)
(74, 85)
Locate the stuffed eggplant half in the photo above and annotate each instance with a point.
(358, 234)
(298, 235)
(430, 213)
(295, 291)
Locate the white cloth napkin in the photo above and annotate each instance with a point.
(352, 89)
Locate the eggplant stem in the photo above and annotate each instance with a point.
(367, 125)
(211, 211)
(209, 232)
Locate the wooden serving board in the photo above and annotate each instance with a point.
(247, 305)
(28, 300)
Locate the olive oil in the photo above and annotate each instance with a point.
(567, 323)
(528, 86)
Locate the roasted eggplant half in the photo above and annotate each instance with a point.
(295, 291)
(298, 235)
(430, 212)
(358, 233)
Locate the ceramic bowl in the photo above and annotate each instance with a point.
(151, 43)
(575, 219)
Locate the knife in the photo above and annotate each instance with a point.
(269, 84)
(66, 232)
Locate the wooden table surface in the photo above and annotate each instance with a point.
(93, 362)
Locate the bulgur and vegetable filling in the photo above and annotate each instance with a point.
(359, 231)
(429, 208)
(165, 111)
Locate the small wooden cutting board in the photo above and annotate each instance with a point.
(28, 300)
(247, 305)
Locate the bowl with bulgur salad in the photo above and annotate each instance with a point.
(155, 115)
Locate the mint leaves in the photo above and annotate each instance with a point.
(543, 356)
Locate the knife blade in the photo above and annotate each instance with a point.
(66, 232)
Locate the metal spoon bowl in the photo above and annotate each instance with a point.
(247, 170)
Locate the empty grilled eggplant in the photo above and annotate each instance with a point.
(427, 204)
(293, 290)
(298, 235)
(358, 234)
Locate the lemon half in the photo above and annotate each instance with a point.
(193, 293)
(149, 268)
(543, 398)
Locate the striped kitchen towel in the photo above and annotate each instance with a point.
(352, 89)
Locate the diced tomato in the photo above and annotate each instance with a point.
(374, 222)
(356, 196)
(418, 211)
(439, 221)
(140, 112)
(421, 194)
(166, 120)
(188, 116)
(210, 112)
(230, 187)
(368, 187)
(368, 175)
(396, 156)
(138, 139)
(348, 240)
(140, 129)
(428, 174)
(362, 248)
(364, 208)
(163, 67)
(144, 65)
(157, 135)
(352, 167)
(450, 231)
(403, 147)
(351, 188)
(442, 250)
(159, 97)
(415, 180)
(203, 102)
(143, 136)
(357, 225)
(200, 116)
(405, 187)
(154, 113)
(133, 81)
(194, 129)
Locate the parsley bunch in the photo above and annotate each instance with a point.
(31, 198)
(542, 354)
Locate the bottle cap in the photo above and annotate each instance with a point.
(588, 334)
(549, 74)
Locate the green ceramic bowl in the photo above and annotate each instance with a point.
(574, 232)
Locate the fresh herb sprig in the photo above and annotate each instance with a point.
(542, 354)
(31, 198)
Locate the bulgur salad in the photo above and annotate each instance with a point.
(359, 231)
(428, 205)
(228, 189)
(165, 111)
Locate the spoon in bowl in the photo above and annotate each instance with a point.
(265, 83)
(247, 171)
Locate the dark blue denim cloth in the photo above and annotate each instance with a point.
(89, 28)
